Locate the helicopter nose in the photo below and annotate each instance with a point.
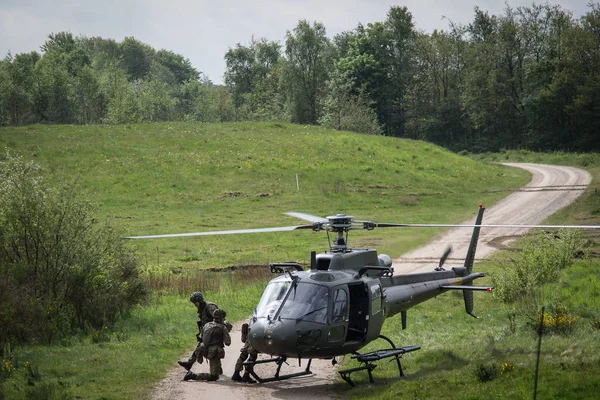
(282, 338)
(268, 337)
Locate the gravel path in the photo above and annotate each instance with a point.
(550, 189)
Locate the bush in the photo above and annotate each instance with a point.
(59, 270)
(557, 320)
(541, 260)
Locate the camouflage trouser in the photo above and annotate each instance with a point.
(247, 352)
(196, 354)
(214, 356)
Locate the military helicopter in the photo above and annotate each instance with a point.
(339, 305)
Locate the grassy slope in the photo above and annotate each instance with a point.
(171, 178)
(165, 178)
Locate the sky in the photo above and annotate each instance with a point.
(203, 30)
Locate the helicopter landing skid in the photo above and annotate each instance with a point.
(279, 361)
(368, 359)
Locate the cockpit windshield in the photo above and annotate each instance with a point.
(306, 301)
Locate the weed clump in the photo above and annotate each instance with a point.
(486, 372)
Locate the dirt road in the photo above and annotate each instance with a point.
(550, 189)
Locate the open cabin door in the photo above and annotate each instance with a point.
(358, 316)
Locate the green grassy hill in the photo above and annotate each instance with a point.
(177, 177)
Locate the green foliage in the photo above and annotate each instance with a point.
(345, 111)
(541, 260)
(94, 80)
(525, 78)
(252, 76)
(60, 271)
(147, 340)
(135, 58)
(557, 320)
(306, 70)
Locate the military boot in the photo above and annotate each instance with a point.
(236, 376)
(190, 376)
(246, 378)
(186, 364)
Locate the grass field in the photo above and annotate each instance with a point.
(170, 178)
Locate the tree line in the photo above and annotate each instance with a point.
(527, 78)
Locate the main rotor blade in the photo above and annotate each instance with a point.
(386, 225)
(231, 232)
(306, 217)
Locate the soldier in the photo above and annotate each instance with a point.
(215, 337)
(205, 315)
(247, 353)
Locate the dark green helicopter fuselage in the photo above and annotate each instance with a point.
(341, 303)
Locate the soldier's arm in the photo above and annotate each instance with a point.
(226, 337)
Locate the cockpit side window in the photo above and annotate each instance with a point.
(340, 305)
(272, 298)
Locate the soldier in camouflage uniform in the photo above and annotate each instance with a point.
(215, 337)
(205, 314)
(247, 353)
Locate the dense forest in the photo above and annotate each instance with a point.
(529, 78)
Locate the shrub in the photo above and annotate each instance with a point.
(59, 270)
(557, 320)
(541, 260)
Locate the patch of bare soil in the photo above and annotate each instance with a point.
(550, 189)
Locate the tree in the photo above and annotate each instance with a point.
(62, 42)
(344, 110)
(378, 59)
(180, 67)
(306, 69)
(135, 58)
(122, 104)
(154, 101)
(433, 98)
(252, 76)
(90, 102)
(53, 89)
(207, 103)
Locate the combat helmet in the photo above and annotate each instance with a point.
(219, 315)
(197, 297)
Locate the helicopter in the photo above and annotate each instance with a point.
(339, 304)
